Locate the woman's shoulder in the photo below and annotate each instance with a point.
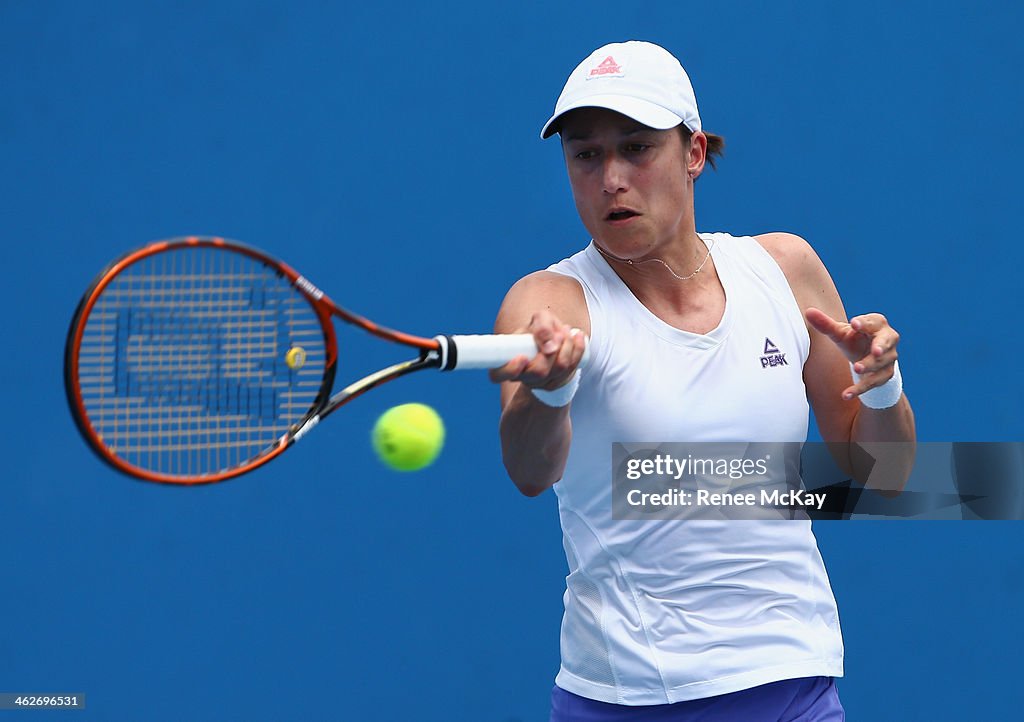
(788, 249)
(794, 255)
(555, 292)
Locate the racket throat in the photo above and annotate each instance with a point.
(305, 428)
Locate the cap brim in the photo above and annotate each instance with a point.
(642, 111)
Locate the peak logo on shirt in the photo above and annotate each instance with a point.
(772, 356)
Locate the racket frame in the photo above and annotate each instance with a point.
(430, 356)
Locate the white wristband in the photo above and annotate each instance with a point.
(562, 395)
(884, 396)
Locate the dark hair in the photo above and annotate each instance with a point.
(716, 144)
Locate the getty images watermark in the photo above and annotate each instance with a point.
(743, 481)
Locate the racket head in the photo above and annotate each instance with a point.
(194, 360)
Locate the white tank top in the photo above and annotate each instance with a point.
(664, 611)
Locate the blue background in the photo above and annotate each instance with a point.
(390, 152)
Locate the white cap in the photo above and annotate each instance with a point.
(640, 80)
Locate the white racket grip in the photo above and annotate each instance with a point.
(488, 351)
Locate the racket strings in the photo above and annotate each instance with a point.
(184, 361)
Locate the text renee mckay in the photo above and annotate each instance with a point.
(775, 498)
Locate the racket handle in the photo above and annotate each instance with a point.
(488, 351)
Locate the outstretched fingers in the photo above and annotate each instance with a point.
(823, 323)
(867, 341)
(883, 336)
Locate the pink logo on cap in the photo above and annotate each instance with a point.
(608, 66)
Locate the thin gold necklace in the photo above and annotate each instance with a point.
(651, 260)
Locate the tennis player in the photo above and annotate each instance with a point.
(681, 620)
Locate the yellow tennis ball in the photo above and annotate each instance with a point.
(295, 358)
(408, 437)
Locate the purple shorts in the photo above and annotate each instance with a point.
(810, 699)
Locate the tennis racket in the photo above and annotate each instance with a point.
(194, 360)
